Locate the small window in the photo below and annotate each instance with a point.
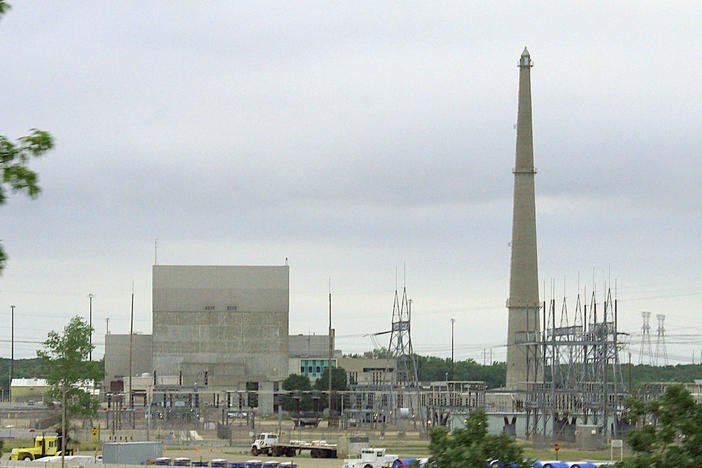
(309, 369)
(209, 307)
(319, 369)
(302, 370)
(231, 308)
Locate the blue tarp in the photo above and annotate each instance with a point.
(402, 462)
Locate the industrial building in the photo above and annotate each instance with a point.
(309, 356)
(221, 326)
(214, 327)
(37, 390)
(26, 390)
(117, 358)
(304, 346)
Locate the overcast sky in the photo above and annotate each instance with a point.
(354, 138)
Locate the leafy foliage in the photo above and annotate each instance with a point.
(338, 383)
(4, 6)
(16, 176)
(14, 157)
(297, 382)
(670, 433)
(644, 373)
(434, 368)
(338, 379)
(380, 353)
(67, 369)
(31, 368)
(472, 446)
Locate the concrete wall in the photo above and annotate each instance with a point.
(117, 356)
(228, 321)
(308, 346)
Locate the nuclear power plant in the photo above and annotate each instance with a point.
(220, 334)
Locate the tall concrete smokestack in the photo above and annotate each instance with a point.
(523, 302)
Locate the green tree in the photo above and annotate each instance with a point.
(14, 157)
(381, 353)
(670, 432)
(4, 6)
(297, 382)
(338, 379)
(338, 383)
(68, 371)
(471, 446)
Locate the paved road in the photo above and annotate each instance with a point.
(301, 462)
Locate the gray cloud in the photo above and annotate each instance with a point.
(351, 138)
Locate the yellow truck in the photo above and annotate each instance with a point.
(44, 446)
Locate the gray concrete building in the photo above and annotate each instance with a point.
(222, 326)
(117, 356)
(523, 302)
(302, 346)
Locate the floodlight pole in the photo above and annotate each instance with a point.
(12, 354)
(90, 322)
(453, 321)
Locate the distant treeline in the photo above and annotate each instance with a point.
(641, 374)
(25, 369)
(431, 368)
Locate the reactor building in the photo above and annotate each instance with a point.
(221, 326)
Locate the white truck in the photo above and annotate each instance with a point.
(264, 443)
(269, 444)
(371, 458)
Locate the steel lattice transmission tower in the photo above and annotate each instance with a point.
(400, 348)
(646, 351)
(661, 353)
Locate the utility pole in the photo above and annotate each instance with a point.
(331, 352)
(90, 322)
(453, 321)
(630, 389)
(131, 338)
(12, 354)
